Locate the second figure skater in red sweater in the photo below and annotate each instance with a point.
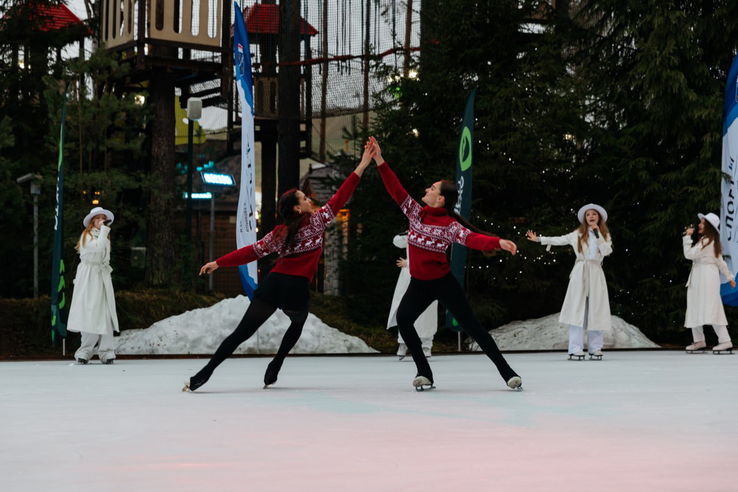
(432, 229)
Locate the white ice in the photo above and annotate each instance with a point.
(201, 331)
(642, 421)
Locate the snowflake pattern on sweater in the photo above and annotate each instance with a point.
(308, 238)
(431, 237)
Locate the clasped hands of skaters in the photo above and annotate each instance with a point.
(433, 197)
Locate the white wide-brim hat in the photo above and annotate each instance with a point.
(713, 219)
(97, 211)
(592, 206)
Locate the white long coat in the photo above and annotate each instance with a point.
(585, 280)
(427, 324)
(704, 305)
(93, 300)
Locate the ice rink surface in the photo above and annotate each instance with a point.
(637, 421)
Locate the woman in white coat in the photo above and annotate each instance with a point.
(704, 305)
(427, 324)
(93, 302)
(587, 304)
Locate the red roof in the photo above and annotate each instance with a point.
(264, 19)
(58, 17)
(53, 17)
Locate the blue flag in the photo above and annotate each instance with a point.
(729, 188)
(246, 215)
(464, 185)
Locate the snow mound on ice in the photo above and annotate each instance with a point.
(548, 334)
(201, 331)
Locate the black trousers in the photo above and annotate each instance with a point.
(277, 291)
(446, 290)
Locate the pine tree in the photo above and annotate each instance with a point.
(655, 75)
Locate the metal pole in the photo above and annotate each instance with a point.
(212, 239)
(188, 232)
(35, 246)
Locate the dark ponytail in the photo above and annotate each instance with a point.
(292, 219)
(451, 194)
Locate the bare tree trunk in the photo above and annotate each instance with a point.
(161, 243)
(289, 95)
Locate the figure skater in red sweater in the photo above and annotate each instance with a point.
(432, 229)
(299, 242)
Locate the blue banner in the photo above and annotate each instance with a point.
(729, 188)
(464, 185)
(246, 215)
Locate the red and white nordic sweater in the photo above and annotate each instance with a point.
(301, 258)
(432, 230)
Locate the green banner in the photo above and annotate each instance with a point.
(464, 185)
(58, 286)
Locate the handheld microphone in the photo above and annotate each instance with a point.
(597, 235)
(108, 222)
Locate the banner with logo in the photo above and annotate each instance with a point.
(729, 202)
(246, 215)
(58, 286)
(464, 185)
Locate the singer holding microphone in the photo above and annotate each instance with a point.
(587, 304)
(704, 305)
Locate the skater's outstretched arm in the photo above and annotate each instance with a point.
(271, 243)
(481, 242)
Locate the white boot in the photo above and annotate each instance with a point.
(696, 346)
(422, 383)
(515, 382)
(427, 352)
(723, 346)
(577, 356)
(402, 351)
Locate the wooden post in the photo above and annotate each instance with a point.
(366, 65)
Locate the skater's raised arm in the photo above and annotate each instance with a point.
(328, 212)
(393, 185)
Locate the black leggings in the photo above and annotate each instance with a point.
(277, 290)
(446, 290)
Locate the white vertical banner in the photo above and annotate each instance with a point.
(729, 201)
(246, 216)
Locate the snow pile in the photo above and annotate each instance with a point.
(548, 334)
(202, 330)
